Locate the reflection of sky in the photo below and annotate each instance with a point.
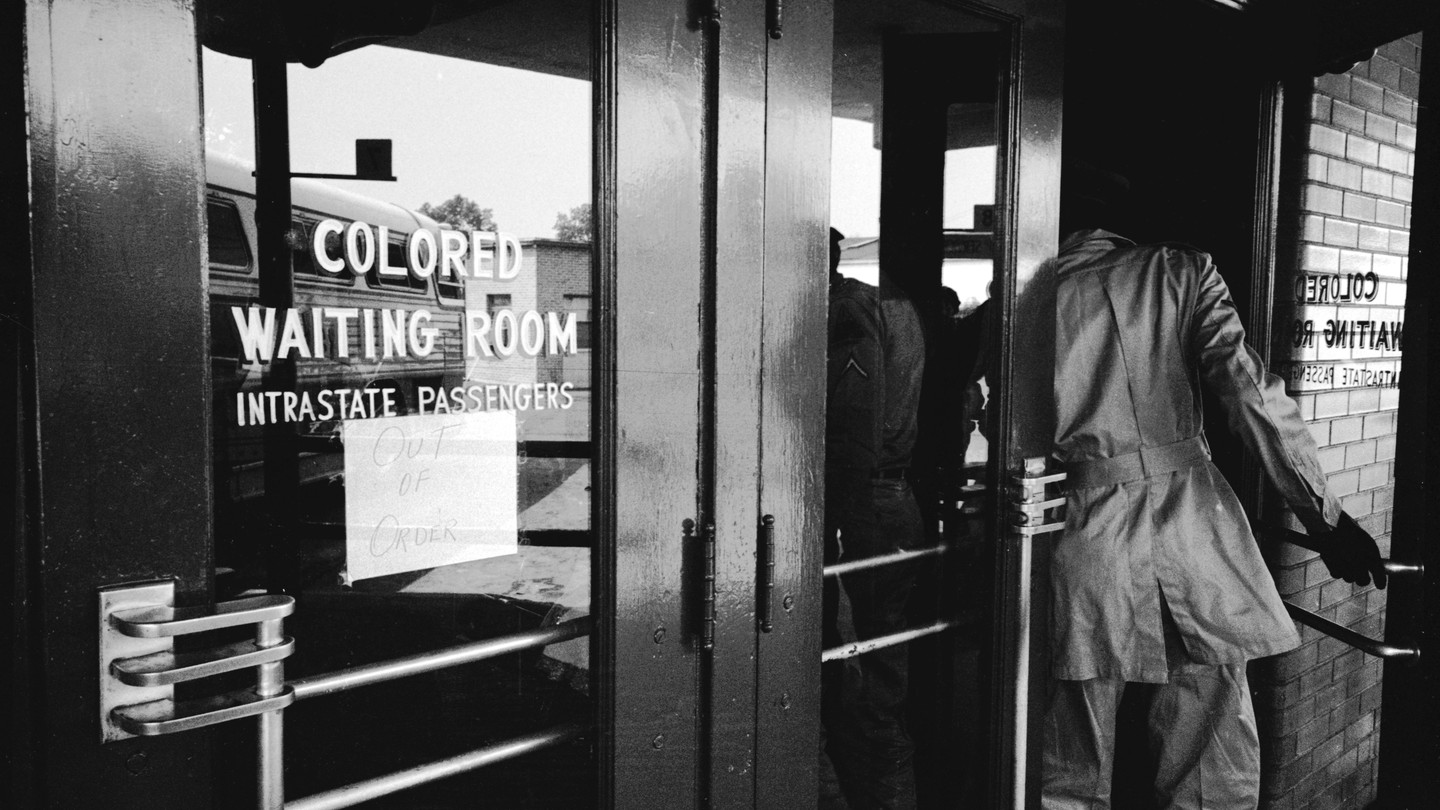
(514, 141)
(855, 181)
(969, 278)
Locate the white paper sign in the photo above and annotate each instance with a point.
(429, 490)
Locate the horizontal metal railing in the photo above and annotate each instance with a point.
(1393, 568)
(879, 560)
(366, 674)
(1359, 641)
(351, 795)
(855, 648)
(852, 649)
(1364, 643)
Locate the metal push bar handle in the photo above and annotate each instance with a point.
(170, 667)
(1394, 569)
(351, 795)
(1398, 569)
(893, 558)
(142, 665)
(170, 716)
(1365, 644)
(872, 644)
(354, 677)
(165, 621)
(342, 680)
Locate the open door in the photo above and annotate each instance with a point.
(944, 186)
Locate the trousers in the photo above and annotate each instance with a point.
(867, 756)
(1200, 731)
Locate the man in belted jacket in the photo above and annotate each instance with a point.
(1156, 579)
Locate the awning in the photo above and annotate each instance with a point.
(1315, 37)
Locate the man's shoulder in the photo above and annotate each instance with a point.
(845, 286)
(1172, 250)
(854, 311)
(1183, 251)
(853, 292)
(1166, 256)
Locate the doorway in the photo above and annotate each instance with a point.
(928, 194)
(297, 328)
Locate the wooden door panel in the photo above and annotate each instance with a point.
(113, 301)
(792, 433)
(658, 259)
(735, 126)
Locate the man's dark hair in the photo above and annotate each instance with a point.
(1091, 196)
(835, 237)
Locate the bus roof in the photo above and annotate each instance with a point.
(236, 176)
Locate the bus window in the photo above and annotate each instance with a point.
(229, 249)
(451, 289)
(409, 282)
(302, 232)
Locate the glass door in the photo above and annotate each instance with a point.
(401, 262)
(485, 406)
(944, 179)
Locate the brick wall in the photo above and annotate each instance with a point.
(564, 284)
(1338, 332)
(552, 274)
(523, 291)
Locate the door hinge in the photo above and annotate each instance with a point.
(775, 18)
(708, 14)
(707, 589)
(765, 594)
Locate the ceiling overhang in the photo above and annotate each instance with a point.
(1315, 37)
(1293, 36)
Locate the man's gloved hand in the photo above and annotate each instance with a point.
(1350, 554)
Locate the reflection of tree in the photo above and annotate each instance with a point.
(574, 226)
(461, 212)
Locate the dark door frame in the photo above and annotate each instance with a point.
(106, 314)
(1410, 707)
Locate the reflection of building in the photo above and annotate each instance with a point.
(554, 277)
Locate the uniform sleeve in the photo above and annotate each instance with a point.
(1256, 405)
(854, 384)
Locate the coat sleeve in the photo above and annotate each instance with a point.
(854, 384)
(1256, 405)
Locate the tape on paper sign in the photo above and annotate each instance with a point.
(429, 490)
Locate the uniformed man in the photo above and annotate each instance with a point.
(1157, 582)
(876, 361)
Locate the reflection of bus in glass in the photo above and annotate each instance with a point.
(235, 289)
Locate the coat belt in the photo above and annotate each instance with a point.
(1146, 462)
